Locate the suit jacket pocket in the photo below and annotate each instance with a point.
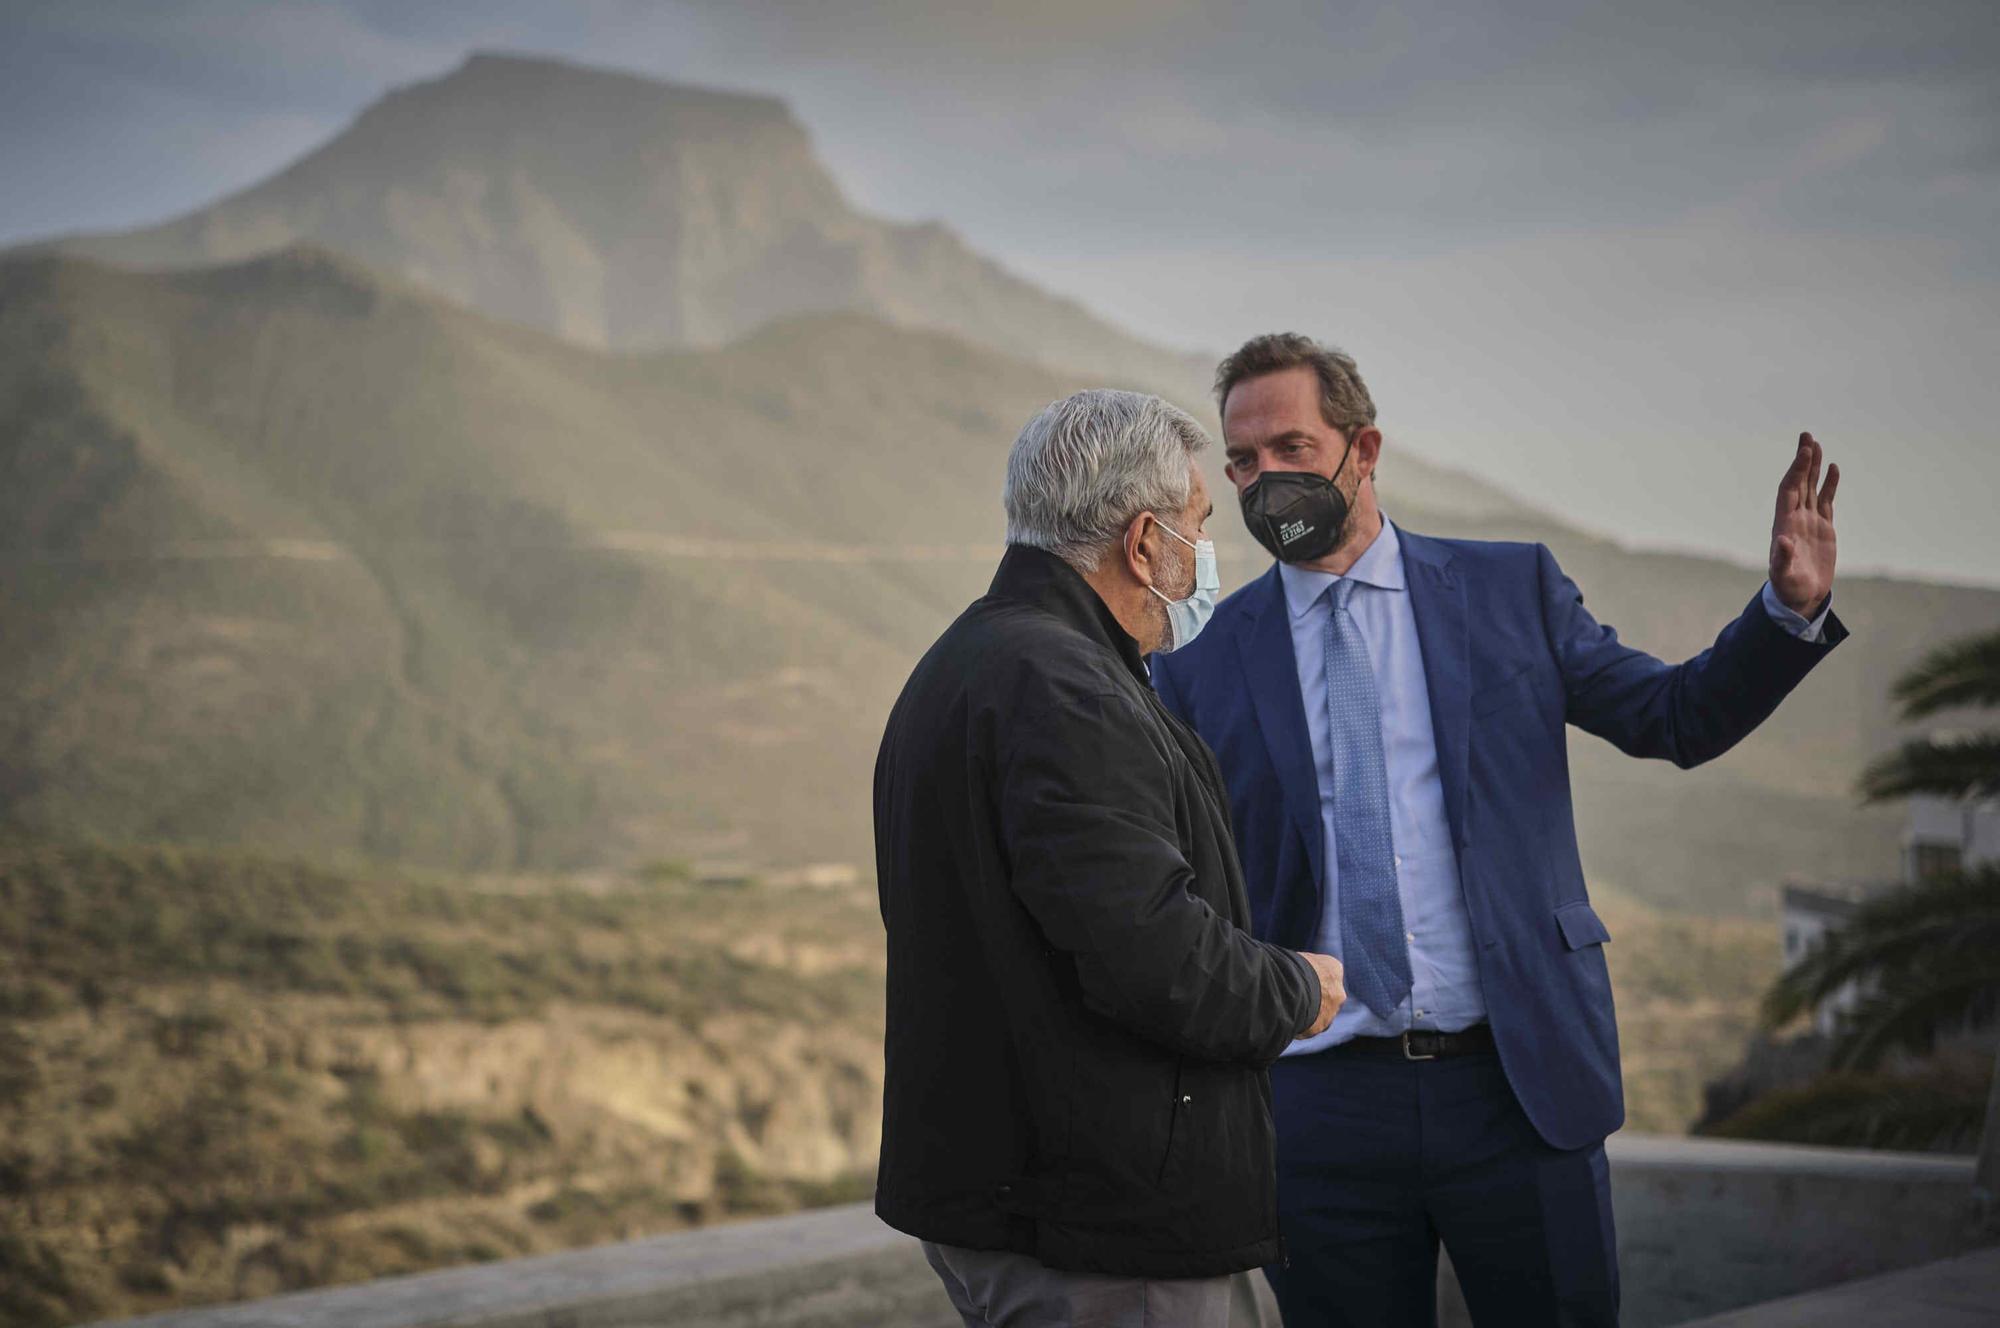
(1580, 925)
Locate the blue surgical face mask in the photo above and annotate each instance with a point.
(1186, 617)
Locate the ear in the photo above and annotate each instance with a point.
(1367, 450)
(1140, 560)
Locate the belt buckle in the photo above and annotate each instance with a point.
(1409, 1055)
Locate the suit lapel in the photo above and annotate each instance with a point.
(1437, 599)
(1272, 675)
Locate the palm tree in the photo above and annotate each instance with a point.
(1929, 953)
(1924, 956)
(1961, 673)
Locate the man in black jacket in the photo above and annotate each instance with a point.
(1076, 1117)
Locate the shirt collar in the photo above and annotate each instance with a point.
(1380, 565)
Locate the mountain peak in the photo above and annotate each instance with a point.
(616, 210)
(499, 110)
(516, 83)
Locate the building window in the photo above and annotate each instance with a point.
(1928, 861)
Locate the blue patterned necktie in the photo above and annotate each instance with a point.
(1373, 948)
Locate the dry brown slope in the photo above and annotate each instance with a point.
(222, 1077)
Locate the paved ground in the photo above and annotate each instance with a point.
(1952, 1293)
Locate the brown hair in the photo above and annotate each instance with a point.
(1343, 398)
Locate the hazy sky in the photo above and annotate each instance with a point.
(1612, 256)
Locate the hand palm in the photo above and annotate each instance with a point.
(1802, 539)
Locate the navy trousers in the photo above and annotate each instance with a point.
(1379, 1160)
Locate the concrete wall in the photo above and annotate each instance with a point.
(831, 1268)
(1703, 1227)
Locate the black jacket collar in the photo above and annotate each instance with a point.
(1038, 577)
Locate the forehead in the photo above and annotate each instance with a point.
(1270, 404)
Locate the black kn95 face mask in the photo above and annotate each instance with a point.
(1297, 515)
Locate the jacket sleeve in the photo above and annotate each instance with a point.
(1686, 713)
(1088, 826)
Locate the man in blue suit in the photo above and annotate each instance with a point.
(1389, 712)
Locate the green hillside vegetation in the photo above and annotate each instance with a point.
(84, 928)
(303, 560)
(224, 1076)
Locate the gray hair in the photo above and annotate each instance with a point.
(1088, 464)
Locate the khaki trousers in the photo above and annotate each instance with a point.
(1000, 1289)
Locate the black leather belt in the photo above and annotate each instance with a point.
(1419, 1044)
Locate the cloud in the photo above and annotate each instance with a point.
(249, 52)
(1568, 233)
(121, 114)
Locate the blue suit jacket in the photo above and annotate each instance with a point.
(1510, 657)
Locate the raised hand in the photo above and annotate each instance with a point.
(1802, 544)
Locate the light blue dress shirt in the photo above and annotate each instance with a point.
(1445, 992)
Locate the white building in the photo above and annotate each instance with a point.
(1808, 915)
(1947, 834)
(1939, 835)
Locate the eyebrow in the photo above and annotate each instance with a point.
(1289, 435)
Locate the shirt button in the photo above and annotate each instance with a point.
(1410, 936)
(1399, 859)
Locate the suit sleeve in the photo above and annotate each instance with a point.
(1686, 713)
(1087, 821)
